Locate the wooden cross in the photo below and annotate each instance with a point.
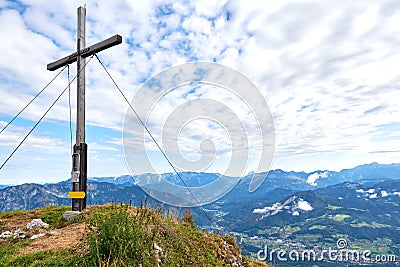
(79, 157)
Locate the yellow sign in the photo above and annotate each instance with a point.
(76, 194)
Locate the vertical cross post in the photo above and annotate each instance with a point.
(79, 157)
(81, 44)
(80, 148)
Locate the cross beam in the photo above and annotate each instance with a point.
(86, 52)
(79, 157)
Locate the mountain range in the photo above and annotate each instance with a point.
(277, 184)
(298, 208)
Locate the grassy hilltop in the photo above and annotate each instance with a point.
(115, 235)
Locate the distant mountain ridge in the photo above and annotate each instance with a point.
(31, 196)
(277, 184)
(191, 179)
(274, 178)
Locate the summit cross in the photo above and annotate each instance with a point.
(79, 156)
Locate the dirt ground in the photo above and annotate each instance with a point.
(21, 220)
(67, 237)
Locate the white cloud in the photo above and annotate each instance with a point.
(275, 208)
(304, 205)
(370, 191)
(312, 178)
(296, 213)
(292, 205)
(13, 135)
(327, 69)
(384, 193)
(375, 195)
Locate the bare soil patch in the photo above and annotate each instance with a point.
(67, 237)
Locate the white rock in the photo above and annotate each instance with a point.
(69, 215)
(5, 234)
(157, 247)
(37, 236)
(37, 223)
(53, 233)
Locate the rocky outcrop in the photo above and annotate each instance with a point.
(37, 223)
(16, 233)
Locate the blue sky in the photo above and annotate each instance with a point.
(328, 70)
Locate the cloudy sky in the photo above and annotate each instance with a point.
(329, 71)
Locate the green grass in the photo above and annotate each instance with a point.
(9, 214)
(357, 209)
(123, 237)
(372, 225)
(61, 258)
(360, 224)
(318, 227)
(126, 236)
(379, 225)
(291, 229)
(53, 215)
(310, 237)
(49, 214)
(119, 238)
(10, 258)
(340, 217)
(8, 249)
(331, 207)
